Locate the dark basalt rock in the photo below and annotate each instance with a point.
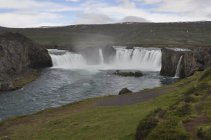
(6, 86)
(124, 91)
(109, 53)
(60, 47)
(92, 56)
(126, 73)
(194, 60)
(18, 54)
(129, 47)
(169, 61)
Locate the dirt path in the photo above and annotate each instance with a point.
(191, 125)
(128, 99)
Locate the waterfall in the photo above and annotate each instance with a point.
(66, 59)
(138, 58)
(177, 74)
(145, 59)
(101, 56)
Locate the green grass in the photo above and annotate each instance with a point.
(25, 79)
(181, 120)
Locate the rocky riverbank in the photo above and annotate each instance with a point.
(20, 58)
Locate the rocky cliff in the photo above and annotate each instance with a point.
(19, 57)
(192, 60)
(92, 54)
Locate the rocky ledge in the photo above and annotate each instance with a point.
(191, 60)
(20, 58)
(128, 73)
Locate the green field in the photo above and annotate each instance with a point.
(176, 115)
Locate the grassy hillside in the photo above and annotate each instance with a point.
(183, 112)
(188, 118)
(141, 34)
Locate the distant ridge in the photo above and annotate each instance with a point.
(126, 33)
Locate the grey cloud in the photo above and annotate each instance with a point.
(92, 18)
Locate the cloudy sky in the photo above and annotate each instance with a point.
(34, 13)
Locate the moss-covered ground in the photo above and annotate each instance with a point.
(188, 118)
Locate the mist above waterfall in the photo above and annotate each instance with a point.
(145, 59)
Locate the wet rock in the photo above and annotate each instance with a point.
(129, 47)
(6, 86)
(193, 60)
(128, 73)
(169, 62)
(109, 53)
(92, 54)
(124, 91)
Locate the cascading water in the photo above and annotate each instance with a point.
(138, 58)
(66, 60)
(177, 74)
(101, 56)
(146, 59)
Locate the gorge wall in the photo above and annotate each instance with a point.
(192, 60)
(19, 58)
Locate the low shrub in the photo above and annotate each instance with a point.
(190, 90)
(168, 129)
(162, 113)
(184, 110)
(205, 74)
(202, 87)
(204, 133)
(189, 99)
(145, 127)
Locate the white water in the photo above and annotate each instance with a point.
(146, 59)
(101, 56)
(65, 59)
(138, 58)
(177, 74)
